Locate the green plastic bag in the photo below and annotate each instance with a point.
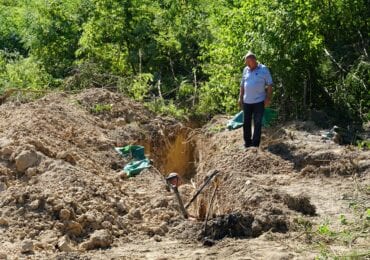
(135, 151)
(237, 121)
(139, 162)
(135, 167)
(269, 116)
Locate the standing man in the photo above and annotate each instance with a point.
(255, 95)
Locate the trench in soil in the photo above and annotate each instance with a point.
(181, 155)
(178, 155)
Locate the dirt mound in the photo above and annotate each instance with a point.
(249, 179)
(59, 172)
(312, 154)
(62, 193)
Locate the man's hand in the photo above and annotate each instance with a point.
(240, 102)
(267, 102)
(268, 96)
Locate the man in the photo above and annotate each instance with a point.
(255, 95)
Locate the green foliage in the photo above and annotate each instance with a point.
(190, 53)
(20, 72)
(324, 229)
(343, 219)
(365, 144)
(137, 87)
(101, 108)
(51, 30)
(163, 107)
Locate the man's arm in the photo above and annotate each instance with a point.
(241, 95)
(268, 81)
(268, 95)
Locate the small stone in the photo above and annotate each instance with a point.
(120, 121)
(4, 142)
(157, 238)
(3, 222)
(106, 225)
(25, 160)
(31, 172)
(26, 246)
(73, 228)
(208, 242)
(65, 245)
(49, 237)
(256, 228)
(123, 175)
(3, 256)
(135, 213)
(34, 205)
(99, 239)
(6, 151)
(121, 207)
(64, 214)
(68, 157)
(3, 187)
(164, 227)
(160, 203)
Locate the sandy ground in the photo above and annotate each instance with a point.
(63, 195)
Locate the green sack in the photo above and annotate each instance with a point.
(135, 167)
(135, 151)
(237, 121)
(139, 162)
(269, 116)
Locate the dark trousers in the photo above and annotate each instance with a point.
(257, 111)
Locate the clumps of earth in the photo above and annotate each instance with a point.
(61, 184)
(62, 189)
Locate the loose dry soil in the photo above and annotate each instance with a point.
(63, 195)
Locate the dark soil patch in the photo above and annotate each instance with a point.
(301, 204)
(244, 225)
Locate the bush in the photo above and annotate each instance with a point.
(20, 72)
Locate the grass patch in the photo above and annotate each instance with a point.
(101, 108)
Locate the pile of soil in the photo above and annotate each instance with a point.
(62, 192)
(248, 191)
(60, 175)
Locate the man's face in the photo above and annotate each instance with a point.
(251, 62)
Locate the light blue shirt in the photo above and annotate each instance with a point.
(254, 83)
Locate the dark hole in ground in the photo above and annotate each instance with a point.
(243, 225)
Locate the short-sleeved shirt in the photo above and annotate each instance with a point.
(254, 83)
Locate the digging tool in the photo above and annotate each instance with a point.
(205, 183)
(173, 180)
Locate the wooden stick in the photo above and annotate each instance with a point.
(215, 172)
(210, 208)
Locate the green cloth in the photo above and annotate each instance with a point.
(269, 116)
(135, 151)
(237, 121)
(138, 163)
(135, 167)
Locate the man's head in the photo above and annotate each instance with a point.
(250, 60)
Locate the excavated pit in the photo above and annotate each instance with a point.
(174, 154)
(184, 154)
